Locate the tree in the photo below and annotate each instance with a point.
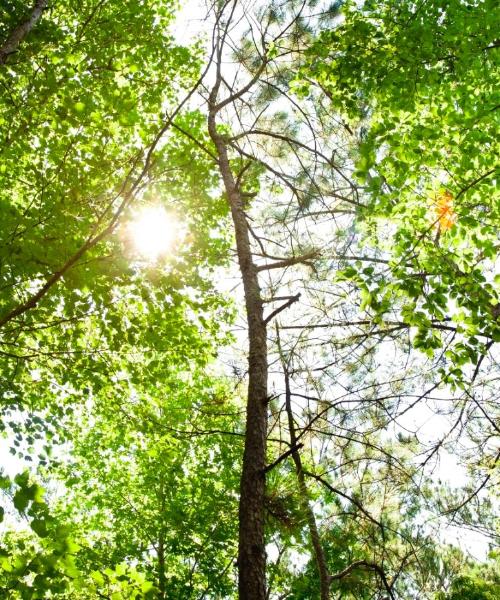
(83, 318)
(235, 179)
(301, 140)
(73, 163)
(429, 261)
(155, 484)
(393, 70)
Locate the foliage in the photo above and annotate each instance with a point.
(395, 69)
(32, 564)
(475, 582)
(151, 486)
(464, 588)
(88, 91)
(361, 145)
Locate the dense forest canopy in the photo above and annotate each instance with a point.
(249, 300)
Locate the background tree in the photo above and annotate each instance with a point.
(83, 315)
(393, 70)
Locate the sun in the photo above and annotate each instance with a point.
(153, 232)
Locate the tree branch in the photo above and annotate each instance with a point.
(281, 308)
(288, 262)
(357, 504)
(283, 457)
(368, 565)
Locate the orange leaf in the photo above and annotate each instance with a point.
(445, 214)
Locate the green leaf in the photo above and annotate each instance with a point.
(21, 500)
(39, 526)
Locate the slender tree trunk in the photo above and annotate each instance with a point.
(319, 555)
(161, 566)
(19, 32)
(162, 582)
(251, 550)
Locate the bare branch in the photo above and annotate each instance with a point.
(367, 565)
(281, 308)
(283, 457)
(293, 260)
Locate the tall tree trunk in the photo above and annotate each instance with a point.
(251, 549)
(162, 580)
(161, 566)
(19, 32)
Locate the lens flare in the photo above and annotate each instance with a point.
(153, 232)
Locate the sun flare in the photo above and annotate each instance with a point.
(153, 232)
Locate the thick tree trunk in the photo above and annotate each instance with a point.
(19, 32)
(251, 551)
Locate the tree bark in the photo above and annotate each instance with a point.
(21, 30)
(251, 548)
